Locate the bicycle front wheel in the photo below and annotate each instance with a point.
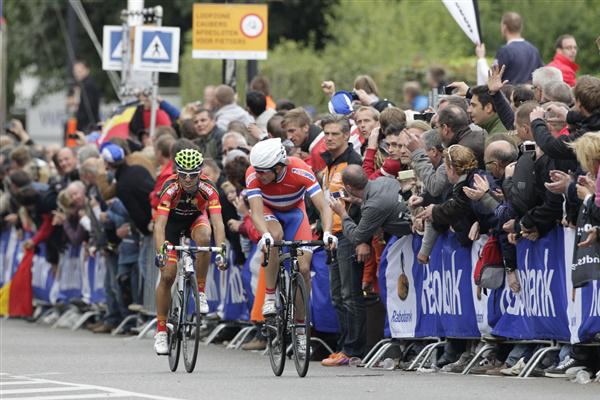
(276, 329)
(173, 326)
(190, 330)
(300, 324)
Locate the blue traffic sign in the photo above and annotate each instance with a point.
(156, 49)
(116, 45)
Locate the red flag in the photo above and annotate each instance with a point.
(16, 296)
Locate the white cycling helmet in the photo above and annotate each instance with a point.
(267, 154)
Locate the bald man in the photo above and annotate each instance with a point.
(381, 207)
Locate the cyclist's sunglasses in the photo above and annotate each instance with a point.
(190, 175)
(263, 170)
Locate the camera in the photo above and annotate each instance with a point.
(528, 146)
(424, 116)
(447, 90)
(341, 194)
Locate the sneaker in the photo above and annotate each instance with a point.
(301, 345)
(255, 344)
(160, 344)
(269, 309)
(560, 371)
(203, 303)
(339, 360)
(515, 370)
(333, 355)
(459, 365)
(571, 373)
(537, 373)
(104, 328)
(496, 371)
(485, 365)
(94, 325)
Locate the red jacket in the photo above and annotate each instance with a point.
(389, 168)
(162, 118)
(566, 66)
(162, 177)
(248, 230)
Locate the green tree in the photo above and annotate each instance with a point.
(395, 41)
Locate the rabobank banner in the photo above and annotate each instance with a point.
(441, 299)
(540, 309)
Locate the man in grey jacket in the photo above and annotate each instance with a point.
(453, 128)
(381, 208)
(228, 109)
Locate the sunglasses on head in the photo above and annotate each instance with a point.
(190, 175)
(449, 153)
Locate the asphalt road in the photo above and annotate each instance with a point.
(41, 363)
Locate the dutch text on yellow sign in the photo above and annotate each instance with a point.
(230, 31)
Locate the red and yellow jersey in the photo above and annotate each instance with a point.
(176, 201)
(288, 191)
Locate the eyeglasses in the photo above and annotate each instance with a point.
(189, 175)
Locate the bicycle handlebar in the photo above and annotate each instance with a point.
(296, 244)
(194, 249)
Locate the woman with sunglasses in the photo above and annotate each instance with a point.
(184, 201)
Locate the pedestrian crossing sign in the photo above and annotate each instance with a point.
(112, 47)
(156, 49)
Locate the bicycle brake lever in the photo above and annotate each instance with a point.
(267, 253)
(330, 255)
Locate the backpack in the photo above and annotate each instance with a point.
(489, 271)
(522, 192)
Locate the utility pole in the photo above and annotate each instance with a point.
(3, 72)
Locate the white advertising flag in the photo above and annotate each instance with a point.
(466, 14)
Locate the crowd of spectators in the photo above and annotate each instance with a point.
(511, 158)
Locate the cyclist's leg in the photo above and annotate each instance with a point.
(167, 276)
(200, 232)
(303, 232)
(297, 227)
(276, 231)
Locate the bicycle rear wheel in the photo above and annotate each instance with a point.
(276, 338)
(173, 327)
(190, 330)
(300, 320)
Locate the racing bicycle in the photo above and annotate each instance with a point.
(184, 319)
(292, 320)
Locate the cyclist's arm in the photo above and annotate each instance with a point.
(318, 200)
(258, 214)
(159, 230)
(219, 229)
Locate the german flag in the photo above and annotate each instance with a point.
(118, 124)
(16, 295)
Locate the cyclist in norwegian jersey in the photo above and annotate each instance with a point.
(184, 201)
(276, 186)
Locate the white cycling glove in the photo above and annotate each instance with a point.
(263, 240)
(327, 236)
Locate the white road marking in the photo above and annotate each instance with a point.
(40, 390)
(77, 396)
(105, 392)
(19, 383)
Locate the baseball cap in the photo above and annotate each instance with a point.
(111, 153)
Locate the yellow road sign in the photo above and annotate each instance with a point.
(230, 31)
